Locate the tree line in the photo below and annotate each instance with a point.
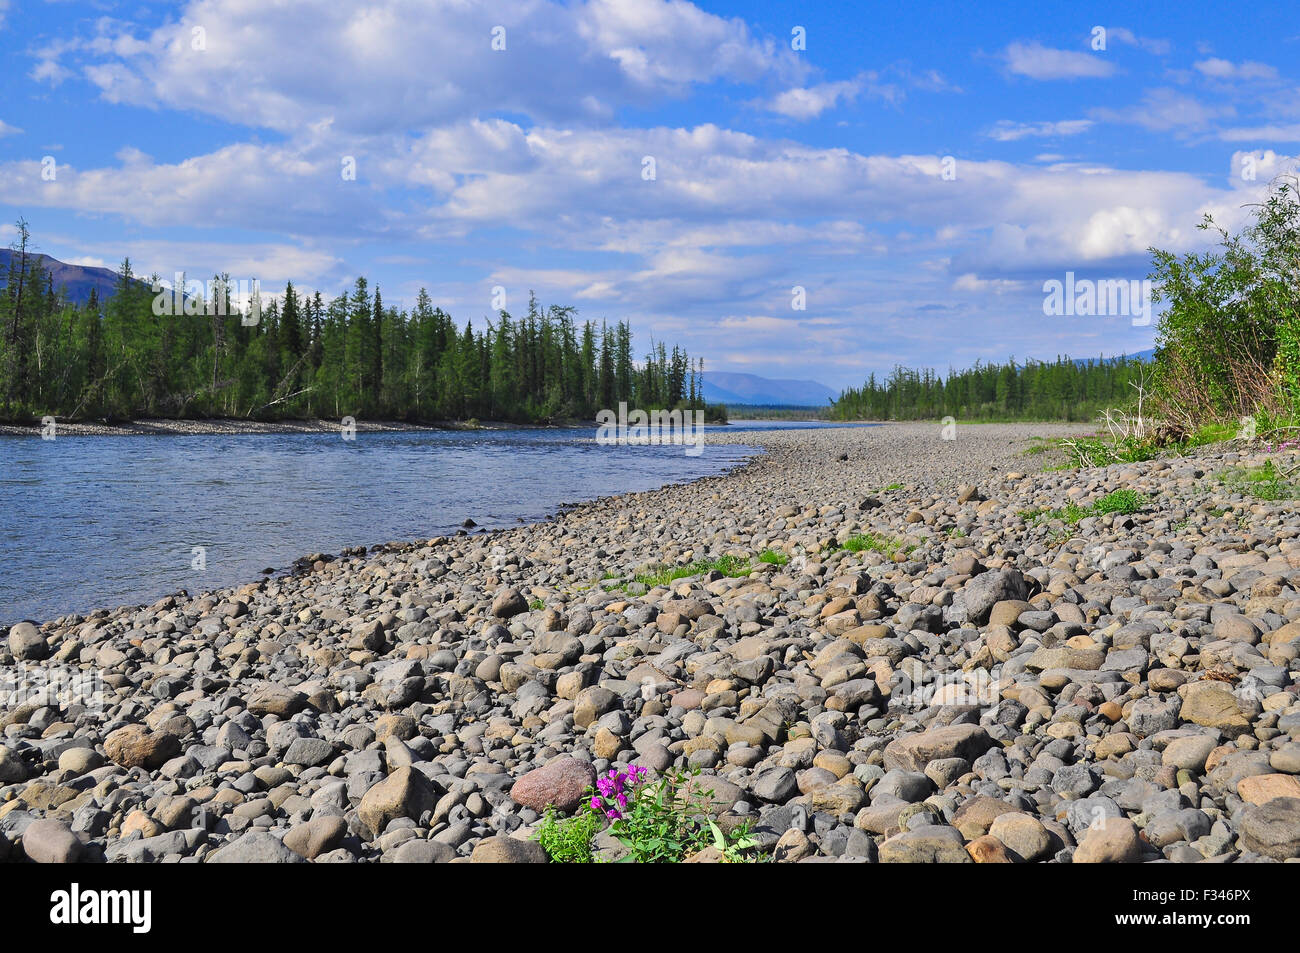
(1032, 390)
(305, 356)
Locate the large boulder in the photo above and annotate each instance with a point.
(50, 841)
(508, 603)
(928, 844)
(134, 746)
(255, 847)
(914, 752)
(1273, 829)
(404, 793)
(508, 850)
(26, 643)
(1114, 841)
(279, 700)
(981, 593)
(560, 784)
(1212, 704)
(317, 836)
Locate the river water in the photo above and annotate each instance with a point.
(88, 522)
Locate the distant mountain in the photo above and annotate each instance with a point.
(75, 280)
(1147, 356)
(721, 387)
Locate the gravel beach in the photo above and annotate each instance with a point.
(939, 664)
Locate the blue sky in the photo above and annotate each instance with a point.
(211, 135)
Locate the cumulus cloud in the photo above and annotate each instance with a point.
(810, 102)
(1041, 62)
(401, 64)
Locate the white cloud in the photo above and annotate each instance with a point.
(889, 85)
(1270, 133)
(973, 283)
(1216, 68)
(7, 130)
(1006, 130)
(810, 102)
(393, 65)
(1040, 62)
(1128, 37)
(757, 323)
(1265, 164)
(1165, 110)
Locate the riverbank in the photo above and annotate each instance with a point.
(165, 426)
(193, 428)
(937, 653)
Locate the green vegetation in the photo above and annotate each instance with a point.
(1265, 482)
(1099, 450)
(777, 412)
(1064, 390)
(309, 356)
(1120, 501)
(663, 821)
(872, 542)
(1228, 343)
(568, 840)
(773, 557)
(666, 575)
(537, 605)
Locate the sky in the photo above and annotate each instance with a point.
(815, 191)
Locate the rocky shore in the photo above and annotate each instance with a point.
(939, 653)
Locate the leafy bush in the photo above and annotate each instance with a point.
(1229, 339)
(1286, 364)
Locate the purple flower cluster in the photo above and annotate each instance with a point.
(1278, 448)
(616, 788)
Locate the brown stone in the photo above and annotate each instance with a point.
(1115, 841)
(134, 747)
(988, 850)
(1262, 788)
(404, 793)
(561, 784)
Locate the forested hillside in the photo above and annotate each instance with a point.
(311, 357)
